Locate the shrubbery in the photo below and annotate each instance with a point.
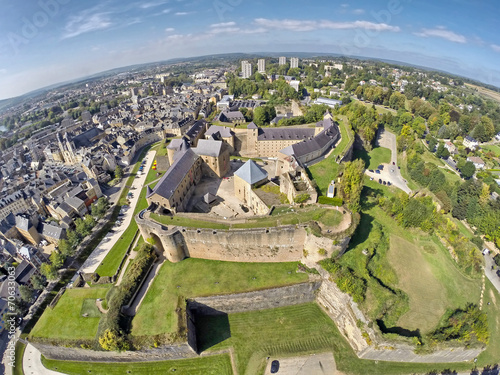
(330, 201)
(346, 279)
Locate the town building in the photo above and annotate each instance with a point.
(246, 69)
(261, 66)
(470, 143)
(282, 60)
(294, 62)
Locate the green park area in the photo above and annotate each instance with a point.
(67, 318)
(492, 148)
(199, 277)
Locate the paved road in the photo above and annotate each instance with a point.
(391, 171)
(490, 273)
(316, 364)
(32, 363)
(100, 252)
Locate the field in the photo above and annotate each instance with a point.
(212, 365)
(490, 94)
(372, 159)
(198, 277)
(65, 319)
(492, 148)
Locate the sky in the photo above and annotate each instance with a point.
(43, 42)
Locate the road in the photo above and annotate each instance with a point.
(110, 240)
(391, 171)
(490, 272)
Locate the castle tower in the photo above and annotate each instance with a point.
(252, 137)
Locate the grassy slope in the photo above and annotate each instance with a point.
(18, 366)
(493, 148)
(212, 365)
(65, 320)
(198, 277)
(432, 259)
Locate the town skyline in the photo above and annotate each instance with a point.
(55, 41)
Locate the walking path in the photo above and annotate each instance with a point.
(100, 252)
(32, 363)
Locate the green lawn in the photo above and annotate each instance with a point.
(89, 308)
(492, 148)
(211, 365)
(65, 320)
(372, 159)
(326, 216)
(199, 277)
(492, 353)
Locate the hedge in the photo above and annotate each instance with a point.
(330, 201)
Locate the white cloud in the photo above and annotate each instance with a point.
(358, 11)
(495, 47)
(169, 29)
(3, 71)
(85, 22)
(300, 25)
(223, 24)
(442, 32)
(166, 11)
(181, 13)
(152, 4)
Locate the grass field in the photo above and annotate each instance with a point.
(198, 277)
(372, 159)
(211, 365)
(492, 148)
(65, 320)
(492, 353)
(89, 308)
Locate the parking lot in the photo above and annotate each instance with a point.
(315, 364)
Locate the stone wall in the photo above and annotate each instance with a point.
(163, 353)
(259, 300)
(277, 244)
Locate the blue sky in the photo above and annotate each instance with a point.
(43, 42)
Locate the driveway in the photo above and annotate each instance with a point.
(100, 252)
(391, 172)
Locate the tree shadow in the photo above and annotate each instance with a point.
(397, 330)
(363, 154)
(212, 326)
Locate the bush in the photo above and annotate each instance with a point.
(346, 280)
(302, 198)
(330, 201)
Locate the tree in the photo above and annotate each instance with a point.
(468, 170)
(351, 183)
(119, 172)
(442, 152)
(49, 271)
(99, 209)
(57, 259)
(26, 293)
(38, 282)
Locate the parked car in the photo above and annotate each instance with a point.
(371, 178)
(377, 171)
(393, 163)
(388, 183)
(370, 170)
(275, 366)
(379, 180)
(385, 183)
(381, 167)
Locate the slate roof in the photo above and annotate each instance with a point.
(209, 147)
(251, 173)
(305, 147)
(175, 174)
(23, 222)
(224, 131)
(252, 126)
(23, 272)
(84, 139)
(195, 129)
(51, 231)
(282, 134)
